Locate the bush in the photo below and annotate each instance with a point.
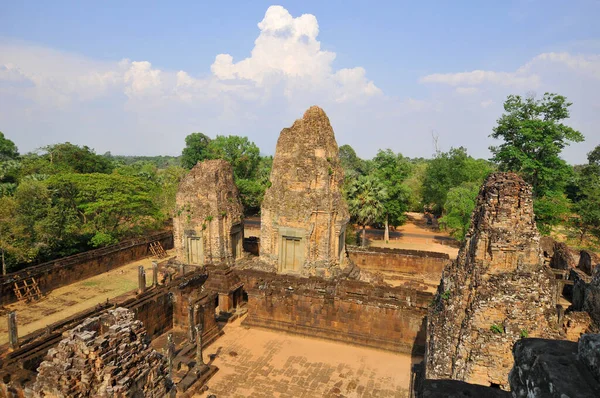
(102, 239)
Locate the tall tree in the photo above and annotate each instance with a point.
(242, 153)
(448, 170)
(366, 197)
(196, 150)
(534, 136)
(9, 166)
(8, 149)
(587, 204)
(460, 203)
(392, 170)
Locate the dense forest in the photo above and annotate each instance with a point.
(63, 199)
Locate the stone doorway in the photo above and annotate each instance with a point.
(237, 240)
(194, 250)
(293, 255)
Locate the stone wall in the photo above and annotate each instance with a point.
(157, 309)
(64, 271)
(107, 355)
(496, 291)
(303, 214)
(191, 294)
(390, 318)
(399, 261)
(208, 223)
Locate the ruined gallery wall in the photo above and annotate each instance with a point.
(18, 368)
(157, 309)
(390, 318)
(414, 262)
(64, 271)
(192, 293)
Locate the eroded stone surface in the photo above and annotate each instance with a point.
(551, 368)
(207, 226)
(105, 356)
(495, 292)
(303, 214)
(588, 261)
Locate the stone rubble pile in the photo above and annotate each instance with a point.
(105, 356)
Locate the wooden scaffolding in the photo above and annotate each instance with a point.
(157, 250)
(27, 290)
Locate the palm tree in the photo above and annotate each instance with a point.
(365, 201)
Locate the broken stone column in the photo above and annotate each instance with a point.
(496, 291)
(13, 335)
(154, 273)
(207, 226)
(303, 214)
(199, 359)
(141, 279)
(170, 353)
(191, 327)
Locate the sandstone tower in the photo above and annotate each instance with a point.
(303, 214)
(207, 226)
(494, 293)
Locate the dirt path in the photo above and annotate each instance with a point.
(417, 235)
(260, 363)
(71, 299)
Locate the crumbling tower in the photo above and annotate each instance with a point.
(496, 291)
(207, 226)
(303, 214)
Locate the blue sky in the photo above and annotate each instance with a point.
(137, 77)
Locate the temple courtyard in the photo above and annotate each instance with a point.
(259, 363)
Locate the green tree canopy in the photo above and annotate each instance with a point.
(353, 165)
(587, 204)
(392, 170)
(196, 150)
(460, 203)
(366, 196)
(533, 137)
(64, 158)
(448, 170)
(8, 149)
(242, 153)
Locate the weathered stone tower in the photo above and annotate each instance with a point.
(207, 226)
(303, 214)
(494, 293)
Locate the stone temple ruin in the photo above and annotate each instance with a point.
(488, 329)
(496, 291)
(208, 225)
(303, 213)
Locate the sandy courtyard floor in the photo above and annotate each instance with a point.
(68, 300)
(260, 363)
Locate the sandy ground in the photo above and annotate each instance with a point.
(79, 296)
(417, 235)
(260, 363)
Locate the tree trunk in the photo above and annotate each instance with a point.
(3, 263)
(363, 236)
(386, 235)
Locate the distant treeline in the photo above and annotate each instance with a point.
(63, 199)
